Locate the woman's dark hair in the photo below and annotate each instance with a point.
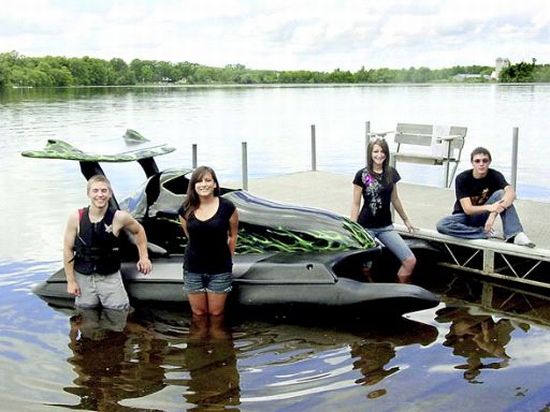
(192, 200)
(386, 165)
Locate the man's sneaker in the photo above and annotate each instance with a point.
(521, 239)
(495, 234)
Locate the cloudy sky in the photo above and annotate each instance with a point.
(282, 34)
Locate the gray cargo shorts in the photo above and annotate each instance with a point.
(101, 290)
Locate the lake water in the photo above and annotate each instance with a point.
(460, 356)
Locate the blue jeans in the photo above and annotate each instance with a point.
(472, 227)
(393, 241)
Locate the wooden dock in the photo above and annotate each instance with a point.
(425, 205)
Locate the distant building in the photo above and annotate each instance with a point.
(500, 64)
(466, 76)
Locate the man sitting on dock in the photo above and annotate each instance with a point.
(482, 194)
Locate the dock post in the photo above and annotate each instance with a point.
(514, 171)
(245, 165)
(487, 295)
(367, 140)
(313, 149)
(488, 261)
(194, 155)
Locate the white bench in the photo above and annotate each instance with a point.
(422, 143)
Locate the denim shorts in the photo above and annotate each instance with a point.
(204, 282)
(393, 241)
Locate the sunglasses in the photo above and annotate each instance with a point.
(484, 161)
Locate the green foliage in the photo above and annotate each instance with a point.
(54, 71)
(542, 73)
(519, 73)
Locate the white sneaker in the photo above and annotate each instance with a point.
(521, 239)
(495, 234)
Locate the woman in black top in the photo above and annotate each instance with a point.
(210, 223)
(376, 184)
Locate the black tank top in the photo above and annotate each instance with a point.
(207, 250)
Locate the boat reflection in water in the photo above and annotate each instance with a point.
(161, 357)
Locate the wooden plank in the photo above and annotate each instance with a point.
(414, 134)
(418, 158)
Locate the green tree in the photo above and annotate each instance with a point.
(338, 76)
(122, 73)
(542, 73)
(518, 73)
(80, 71)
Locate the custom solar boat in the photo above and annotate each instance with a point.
(286, 256)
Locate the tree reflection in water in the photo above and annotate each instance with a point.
(477, 338)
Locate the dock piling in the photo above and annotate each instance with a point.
(244, 165)
(313, 149)
(194, 155)
(514, 171)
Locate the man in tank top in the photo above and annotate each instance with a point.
(91, 256)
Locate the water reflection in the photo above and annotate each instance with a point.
(117, 358)
(114, 360)
(160, 359)
(479, 339)
(211, 361)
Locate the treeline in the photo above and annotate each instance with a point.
(20, 71)
(526, 73)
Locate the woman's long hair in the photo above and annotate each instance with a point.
(192, 200)
(385, 165)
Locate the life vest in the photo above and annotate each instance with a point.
(96, 247)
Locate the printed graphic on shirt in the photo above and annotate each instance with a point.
(373, 188)
(481, 199)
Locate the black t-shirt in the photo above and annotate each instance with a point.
(478, 190)
(207, 250)
(376, 191)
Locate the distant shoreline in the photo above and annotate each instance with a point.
(272, 85)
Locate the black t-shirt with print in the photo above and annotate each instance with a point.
(478, 190)
(376, 211)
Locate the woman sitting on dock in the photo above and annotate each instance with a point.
(377, 184)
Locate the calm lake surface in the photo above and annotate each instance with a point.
(465, 354)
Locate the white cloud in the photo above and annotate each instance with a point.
(299, 34)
